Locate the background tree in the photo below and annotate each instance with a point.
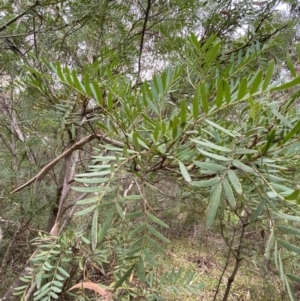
(78, 97)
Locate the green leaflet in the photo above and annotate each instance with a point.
(94, 230)
(204, 99)
(184, 172)
(196, 109)
(149, 257)
(85, 211)
(225, 131)
(97, 93)
(124, 277)
(213, 156)
(270, 243)
(134, 214)
(206, 183)
(55, 288)
(229, 193)
(245, 151)
(210, 166)
(294, 278)
(174, 123)
(110, 102)
(141, 141)
(42, 292)
(95, 173)
(288, 216)
(63, 271)
(120, 211)
(87, 87)
(290, 84)
(258, 211)
(194, 40)
(243, 88)
(106, 225)
(212, 145)
(227, 92)
(270, 141)
(235, 182)
(88, 189)
(220, 94)
(140, 269)
(269, 75)
(135, 141)
(293, 196)
(290, 65)
(52, 294)
(281, 271)
(295, 130)
(240, 165)
(92, 180)
(148, 97)
(256, 82)
(70, 81)
(77, 82)
(137, 230)
(289, 246)
(289, 289)
(20, 288)
(59, 72)
(157, 220)
(157, 234)
(155, 245)
(282, 118)
(214, 200)
(289, 230)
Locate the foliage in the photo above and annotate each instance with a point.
(214, 122)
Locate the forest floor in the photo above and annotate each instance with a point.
(205, 253)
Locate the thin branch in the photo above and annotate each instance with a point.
(263, 39)
(40, 176)
(16, 18)
(238, 260)
(35, 39)
(227, 260)
(143, 35)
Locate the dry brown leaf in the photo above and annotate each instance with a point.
(105, 294)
